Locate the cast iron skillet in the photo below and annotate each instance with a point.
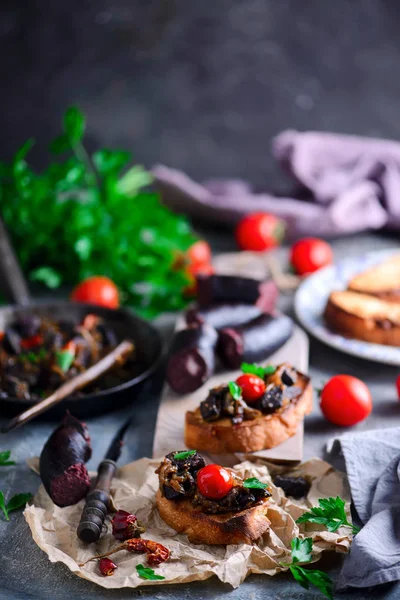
(125, 324)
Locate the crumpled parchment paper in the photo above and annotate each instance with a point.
(134, 487)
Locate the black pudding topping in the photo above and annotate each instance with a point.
(271, 400)
(296, 487)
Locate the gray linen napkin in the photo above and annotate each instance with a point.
(372, 461)
(353, 184)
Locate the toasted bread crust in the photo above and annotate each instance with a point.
(368, 329)
(242, 527)
(381, 281)
(264, 432)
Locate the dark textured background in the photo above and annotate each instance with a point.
(199, 85)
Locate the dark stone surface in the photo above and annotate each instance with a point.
(201, 86)
(25, 572)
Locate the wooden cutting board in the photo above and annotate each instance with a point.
(171, 414)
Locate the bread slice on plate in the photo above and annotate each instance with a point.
(260, 431)
(382, 281)
(363, 317)
(242, 527)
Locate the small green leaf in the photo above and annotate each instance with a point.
(23, 151)
(110, 161)
(330, 512)
(235, 390)
(319, 579)
(18, 501)
(184, 455)
(83, 247)
(301, 550)
(46, 275)
(134, 180)
(147, 573)
(254, 483)
(3, 506)
(255, 369)
(60, 144)
(64, 359)
(74, 124)
(4, 459)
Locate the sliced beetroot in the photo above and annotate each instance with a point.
(231, 288)
(191, 358)
(62, 462)
(223, 315)
(254, 341)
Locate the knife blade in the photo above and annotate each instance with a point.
(98, 499)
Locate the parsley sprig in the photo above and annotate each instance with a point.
(147, 573)
(16, 502)
(255, 369)
(235, 390)
(330, 513)
(302, 553)
(95, 214)
(5, 459)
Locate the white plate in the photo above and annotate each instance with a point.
(311, 298)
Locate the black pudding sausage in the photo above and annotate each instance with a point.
(231, 288)
(223, 315)
(62, 462)
(254, 341)
(191, 358)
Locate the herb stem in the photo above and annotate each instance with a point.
(82, 155)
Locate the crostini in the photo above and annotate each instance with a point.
(210, 504)
(228, 421)
(382, 281)
(363, 317)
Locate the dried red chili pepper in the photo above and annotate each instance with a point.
(125, 526)
(31, 342)
(156, 553)
(107, 567)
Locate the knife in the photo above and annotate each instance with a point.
(98, 499)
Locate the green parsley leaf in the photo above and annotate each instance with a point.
(60, 144)
(4, 459)
(301, 550)
(3, 506)
(64, 359)
(46, 275)
(254, 483)
(319, 579)
(330, 512)
(16, 502)
(147, 573)
(184, 455)
(235, 390)
(74, 124)
(255, 369)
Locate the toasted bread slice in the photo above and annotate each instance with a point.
(364, 317)
(242, 527)
(266, 431)
(382, 281)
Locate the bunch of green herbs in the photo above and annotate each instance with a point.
(93, 215)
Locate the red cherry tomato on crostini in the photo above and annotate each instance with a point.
(252, 386)
(259, 232)
(309, 255)
(97, 290)
(199, 253)
(345, 400)
(214, 482)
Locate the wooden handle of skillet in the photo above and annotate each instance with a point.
(119, 354)
(97, 504)
(13, 284)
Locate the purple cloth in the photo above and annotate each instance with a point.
(353, 182)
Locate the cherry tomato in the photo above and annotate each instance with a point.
(398, 386)
(199, 253)
(253, 387)
(259, 232)
(31, 342)
(214, 482)
(345, 400)
(97, 290)
(310, 254)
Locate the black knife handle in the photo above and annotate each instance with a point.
(97, 504)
